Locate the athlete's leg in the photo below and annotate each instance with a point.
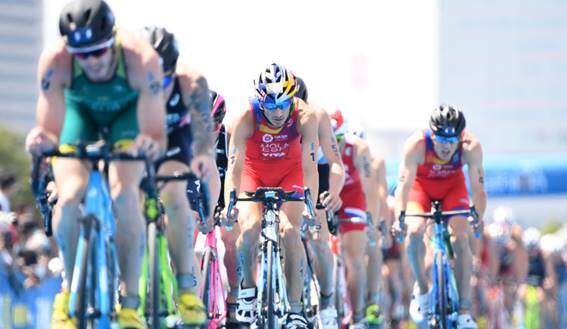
(374, 273)
(415, 246)
(250, 219)
(354, 248)
(324, 264)
(180, 227)
(463, 260)
(71, 178)
(295, 261)
(229, 239)
(124, 178)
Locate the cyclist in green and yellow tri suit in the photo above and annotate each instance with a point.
(99, 81)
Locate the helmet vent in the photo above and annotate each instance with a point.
(87, 15)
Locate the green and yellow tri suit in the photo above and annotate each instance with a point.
(94, 106)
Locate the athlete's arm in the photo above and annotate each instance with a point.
(330, 149)
(146, 75)
(412, 154)
(472, 156)
(195, 91)
(241, 131)
(53, 74)
(379, 170)
(362, 162)
(308, 131)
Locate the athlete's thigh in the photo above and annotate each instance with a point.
(415, 224)
(292, 213)
(249, 214)
(173, 188)
(354, 242)
(124, 175)
(71, 177)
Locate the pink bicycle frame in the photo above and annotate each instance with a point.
(217, 295)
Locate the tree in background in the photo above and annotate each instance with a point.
(15, 160)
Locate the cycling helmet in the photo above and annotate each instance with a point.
(87, 25)
(446, 121)
(503, 216)
(531, 238)
(338, 124)
(301, 89)
(357, 130)
(501, 227)
(551, 243)
(164, 44)
(218, 108)
(275, 84)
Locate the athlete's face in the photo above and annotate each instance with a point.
(445, 148)
(97, 65)
(277, 113)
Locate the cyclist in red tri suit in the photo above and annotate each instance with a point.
(431, 169)
(355, 196)
(273, 144)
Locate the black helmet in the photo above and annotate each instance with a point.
(447, 121)
(301, 89)
(164, 43)
(87, 25)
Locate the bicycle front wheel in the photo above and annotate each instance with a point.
(153, 277)
(206, 275)
(85, 253)
(270, 286)
(441, 291)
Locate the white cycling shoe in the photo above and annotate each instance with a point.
(329, 318)
(419, 305)
(465, 321)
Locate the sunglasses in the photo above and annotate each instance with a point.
(447, 140)
(272, 106)
(95, 53)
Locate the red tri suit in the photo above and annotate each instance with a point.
(352, 194)
(273, 155)
(437, 179)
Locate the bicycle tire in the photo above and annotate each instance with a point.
(270, 285)
(205, 269)
(339, 306)
(82, 294)
(442, 291)
(153, 277)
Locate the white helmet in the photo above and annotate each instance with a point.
(531, 237)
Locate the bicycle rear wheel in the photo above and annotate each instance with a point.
(83, 297)
(442, 291)
(153, 278)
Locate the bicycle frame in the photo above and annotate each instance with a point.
(216, 294)
(270, 239)
(270, 277)
(98, 203)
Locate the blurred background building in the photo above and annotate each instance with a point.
(21, 41)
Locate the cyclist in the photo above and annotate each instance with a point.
(331, 179)
(355, 196)
(99, 79)
(189, 128)
(379, 212)
(431, 169)
(394, 286)
(512, 259)
(273, 144)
